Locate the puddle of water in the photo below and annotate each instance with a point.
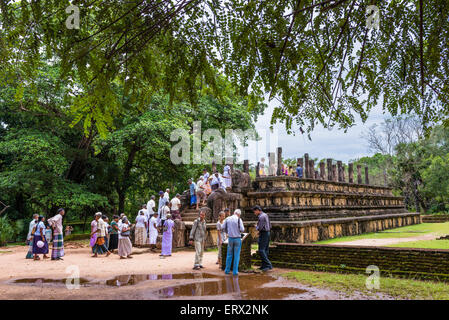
(244, 287)
(42, 281)
(252, 287)
(119, 281)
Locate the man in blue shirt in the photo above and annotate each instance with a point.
(192, 188)
(264, 227)
(233, 226)
(299, 171)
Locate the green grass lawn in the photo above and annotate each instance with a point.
(425, 244)
(394, 287)
(438, 229)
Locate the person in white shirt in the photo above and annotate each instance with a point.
(217, 181)
(119, 223)
(151, 205)
(167, 195)
(124, 243)
(153, 231)
(175, 207)
(141, 228)
(227, 179)
(205, 175)
(164, 211)
(201, 192)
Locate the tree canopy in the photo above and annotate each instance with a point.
(319, 58)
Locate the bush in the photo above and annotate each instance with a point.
(7, 231)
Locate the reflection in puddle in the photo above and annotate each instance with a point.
(119, 281)
(42, 281)
(253, 286)
(132, 279)
(246, 287)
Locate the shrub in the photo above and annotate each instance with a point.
(7, 231)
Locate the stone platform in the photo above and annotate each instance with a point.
(318, 207)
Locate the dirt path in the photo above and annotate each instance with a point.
(385, 241)
(113, 278)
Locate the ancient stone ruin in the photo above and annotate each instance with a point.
(321, 205)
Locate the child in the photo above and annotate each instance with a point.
(68, 230)
(48, 233)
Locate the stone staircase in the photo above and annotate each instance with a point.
(189, 215)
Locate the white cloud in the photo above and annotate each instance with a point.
(325, 143)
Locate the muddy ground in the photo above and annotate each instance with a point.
(146, 276)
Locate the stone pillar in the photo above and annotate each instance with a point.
(246, 166)
(178, 234)
(339, 171)
(366, 175)
(329, 169)
(271, 159)
(317, 176)
(257, 169)
(351, 172)
(312, 169)
(343, 174)
(322, 171)
(279, 169)
(334, 173)
(359, 174)
(306, 166)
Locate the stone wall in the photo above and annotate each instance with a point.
(435, 218)
(402, 262)
(288, 198)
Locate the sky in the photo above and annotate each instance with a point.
(325, 143)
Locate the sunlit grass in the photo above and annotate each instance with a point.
(393, 287)
(438, 229)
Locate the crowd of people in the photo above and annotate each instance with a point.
(109, 237)
(286, 170)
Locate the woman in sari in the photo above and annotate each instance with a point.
(39, 239)
(124, 243)
(167, 237)
(97, 236)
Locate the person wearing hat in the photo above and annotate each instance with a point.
(40, 244)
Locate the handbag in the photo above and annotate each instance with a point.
(126, 233)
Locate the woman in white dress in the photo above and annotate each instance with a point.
(227, 176)
(124, 243)
(153, 231)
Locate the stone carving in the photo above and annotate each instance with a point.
(219, 200)
(240, 180)
(178, 234)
